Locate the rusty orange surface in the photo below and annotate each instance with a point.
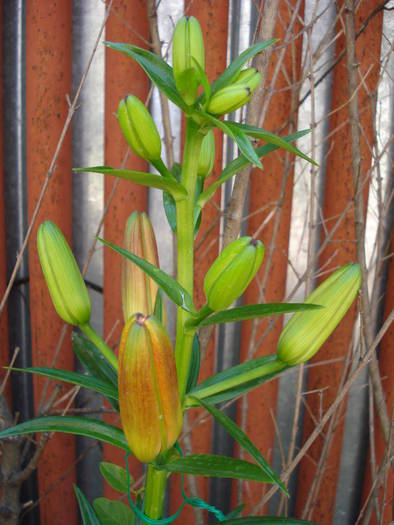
(48, 81)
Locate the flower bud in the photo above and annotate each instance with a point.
(232, 271)
(249, 77)
(306, 331)
(63, 277)
(139, 291)
(149, 403)
(229, 99)
(187, 47)
(207, 155)
(139, 128)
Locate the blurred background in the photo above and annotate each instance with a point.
(60, 90)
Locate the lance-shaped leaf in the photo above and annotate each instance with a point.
(232, 70)
(115, 476)
(89, 517)
(154, 66)
(252, 311)
(217, 467)
(177, 191)
(85, 381)
(240, 437)
(270, 138)
(238, 136)
(265, 520)
(80, 426)
(113, 512)
(240, 163)
(168, 284)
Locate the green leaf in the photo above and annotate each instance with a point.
(238, 136)
(168, 284)
(232, 70)
(95, 364)
(159, 304)
(240, 437)
(168, 200)
(240, 163)
(265, 520)
(113, 512)
(177, 191)
(80, 426)
(217, 467)
(236, 512)
(74, 378)
(89, 517)
(194, 364)
(252, 311)
(270, 138)
(154, 66)
(218, 383)
(115, 476)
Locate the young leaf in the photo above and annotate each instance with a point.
(80, 426)
(240, 437)
(253, 311)
(168, 284)
(265, 520)
(177, 191)
(115, 476)
(232, 70)
(239, 137)
(113, 512)
(270, 138)
(154, 66)
(240, 163)
(89, 517)
(85, 381)
(194, 365)
(216, 466)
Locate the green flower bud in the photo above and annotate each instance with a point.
(139, 291)
(150, 407)
(63, 277)
(232, 272)
(139, 128)
(306, 331)
(249, 77)
(229, 99)
(187, 47)
(207, 155)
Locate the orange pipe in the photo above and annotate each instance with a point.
(339, 191)
(127, 23)
(48, 81)
(264, 192)
(213, 21)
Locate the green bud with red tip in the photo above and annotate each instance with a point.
(207, 155)
(306, 331)
(63, 277)
(139, 291)
(187, 50)
(139, 128)
(150, 408)
(232, 272)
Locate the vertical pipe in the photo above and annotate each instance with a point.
(341, 249)
(48, 82)
(127, 23)
(272, 186)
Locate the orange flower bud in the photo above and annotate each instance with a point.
(150, 408)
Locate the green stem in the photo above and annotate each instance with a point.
(96, 340)
(185, 236)
(232, 382)
(155, 486)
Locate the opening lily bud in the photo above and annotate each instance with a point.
(139, 128)
(139, 291)
(207, 155)
(149, 403)
(249, 77)
(63, 277)
(232, 272)
(187, 49)
(306, 331)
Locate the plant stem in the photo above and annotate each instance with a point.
(104, 348)
(154, 492)
(185, 236)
